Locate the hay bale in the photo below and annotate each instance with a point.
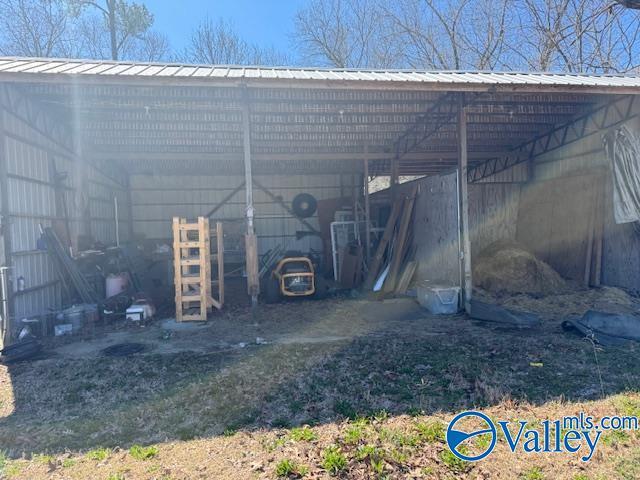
(507, 267)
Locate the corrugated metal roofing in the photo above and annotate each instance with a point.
(67, 67)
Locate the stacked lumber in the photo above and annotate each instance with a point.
(392, 266)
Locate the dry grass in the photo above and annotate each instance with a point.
(396, 447)
(378, 397)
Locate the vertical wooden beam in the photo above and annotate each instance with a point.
(367, 206)
(177, 270)
(129, 198)
(5, 233)
(463, 208)
(251, 243)
(220, 260)
(394, 175)
(355, 195)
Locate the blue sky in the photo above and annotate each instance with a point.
(268, 23)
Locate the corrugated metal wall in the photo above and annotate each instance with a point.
(621, 255)
(32, 155)
(156, 199)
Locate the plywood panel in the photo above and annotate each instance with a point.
(435, 233)
(555, 218)
(493, 213)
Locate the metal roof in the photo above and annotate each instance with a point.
(36, 69)
(148, 116)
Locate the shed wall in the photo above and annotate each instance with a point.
(493, 209)
(30, 152)
(158, 198)
(621, 254)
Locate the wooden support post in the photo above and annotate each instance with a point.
(129, 198)
(355, 195)
(394, 176)
(220, 260)
(463, 208)
(367, 208)
(251, 243)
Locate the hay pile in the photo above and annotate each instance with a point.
(505, 267)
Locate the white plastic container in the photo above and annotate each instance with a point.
(439, 299)
(136, 313)
(116, 284)
(64, 329)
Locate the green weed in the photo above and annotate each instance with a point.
(452, 462)
(302, 434)
(98, 454)
(143, 453)
(333, 460)
(289, 468)
(534, 473)
(431, 432)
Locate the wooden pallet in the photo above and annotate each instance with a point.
(192, 267)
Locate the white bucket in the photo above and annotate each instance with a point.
(116, 284)
(438, 299)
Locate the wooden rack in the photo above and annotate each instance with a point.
(192, 266)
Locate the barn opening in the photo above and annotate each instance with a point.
(108, 153)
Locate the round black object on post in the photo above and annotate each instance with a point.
(304, 205)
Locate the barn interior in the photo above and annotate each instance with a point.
(105, 155)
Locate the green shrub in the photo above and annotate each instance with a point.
(98, 454)
(302, 434)
(344, 408)
(452, 462)
(333, 460)
(533, 474)
(288, 468)
(431, 432)
(143, 453)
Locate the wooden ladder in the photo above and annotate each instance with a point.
(192, 268)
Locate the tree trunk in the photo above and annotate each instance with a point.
(111, 8)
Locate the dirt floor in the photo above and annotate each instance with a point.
(376, 382)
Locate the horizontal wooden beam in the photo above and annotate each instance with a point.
(259, 157)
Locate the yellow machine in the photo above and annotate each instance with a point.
(295, 276)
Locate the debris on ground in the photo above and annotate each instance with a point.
(606, 328)
(505, 267)
(124, 349)
(577, 302)
(494, 313)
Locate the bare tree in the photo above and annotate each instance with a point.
(567, 35)
(152, 47)
(218, 43)
(35, 28)
(346, 33)
(577, 36)
(124, 21)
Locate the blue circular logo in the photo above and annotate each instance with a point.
(456, 437)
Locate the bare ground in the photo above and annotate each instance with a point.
(217, 404)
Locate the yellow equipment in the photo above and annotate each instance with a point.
(296, 277)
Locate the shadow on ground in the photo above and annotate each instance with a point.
(323, 361)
